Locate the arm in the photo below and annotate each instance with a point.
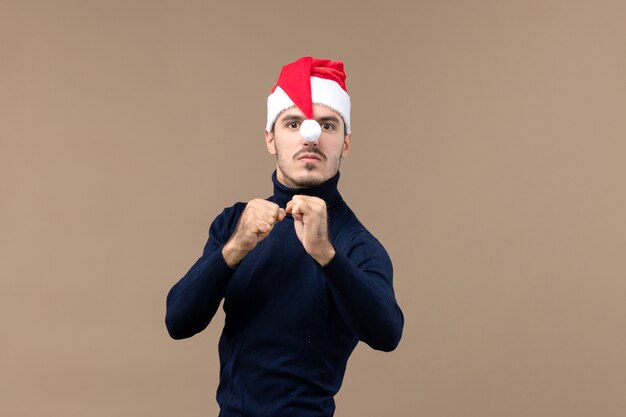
(193, 301)
(360, 279)
(359, 275)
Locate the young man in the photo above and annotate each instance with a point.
(302, 279)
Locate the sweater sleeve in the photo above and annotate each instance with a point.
(360, 279)
(193, 301)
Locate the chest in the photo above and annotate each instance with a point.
(278, 279)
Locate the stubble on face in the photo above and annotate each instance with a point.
(308, 180)
(285, 142)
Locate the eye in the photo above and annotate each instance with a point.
(292, 125)
(327, 126)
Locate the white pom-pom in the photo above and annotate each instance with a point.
(310, 130)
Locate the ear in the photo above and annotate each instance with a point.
(346, 145)
(269, 143)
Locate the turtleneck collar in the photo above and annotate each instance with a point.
(327, 191)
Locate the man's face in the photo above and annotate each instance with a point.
(303, 164)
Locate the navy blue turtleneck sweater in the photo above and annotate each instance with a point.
(291, 324)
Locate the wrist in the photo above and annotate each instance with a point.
(231, 254)
(325, 256)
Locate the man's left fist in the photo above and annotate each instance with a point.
(310, 220)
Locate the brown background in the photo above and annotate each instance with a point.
(488, 156)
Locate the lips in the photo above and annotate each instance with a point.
(309, 156)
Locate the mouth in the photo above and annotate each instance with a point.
(309, 157)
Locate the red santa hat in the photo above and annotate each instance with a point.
(305, 82)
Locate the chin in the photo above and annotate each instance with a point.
(308, 181)
(306, 176)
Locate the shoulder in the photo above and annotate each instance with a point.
(227, 219)
(233, 211)
(354, 236)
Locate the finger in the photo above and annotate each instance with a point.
(264, 206)
(268, 205)
(267, 218)
(262, 212)
(313, 202)
(281, 214)
(263, 227)
(292, 207)
(274, 217)
(300, 207)
(273, 211)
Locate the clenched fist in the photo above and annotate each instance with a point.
(310, 218)
(256, 222)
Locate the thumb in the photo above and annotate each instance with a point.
(263, 227)
(281, 214)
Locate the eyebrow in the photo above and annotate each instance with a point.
(329, 119)
(296, 117)
(291, 117)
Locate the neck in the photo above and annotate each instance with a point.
(327, 191)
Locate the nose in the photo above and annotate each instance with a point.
(310, 130)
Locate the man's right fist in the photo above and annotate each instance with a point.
(255, 224)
